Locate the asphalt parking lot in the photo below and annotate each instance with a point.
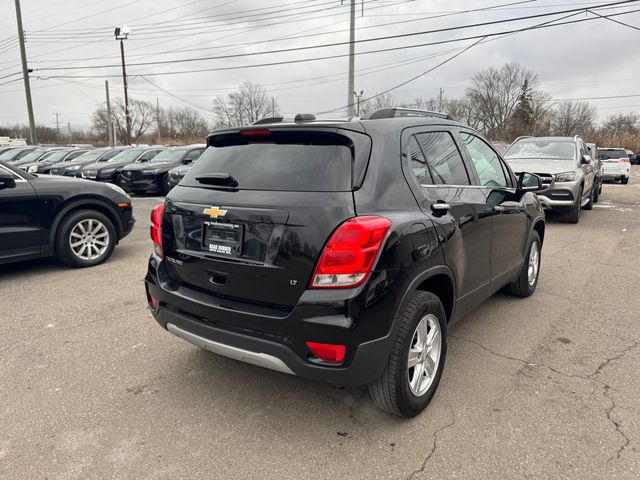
(546, 387)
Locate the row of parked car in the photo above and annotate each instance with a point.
(571, 170)
(137, 169)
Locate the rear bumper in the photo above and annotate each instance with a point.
(279, 342)
(140, 184)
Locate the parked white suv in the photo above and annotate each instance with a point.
(615, 164)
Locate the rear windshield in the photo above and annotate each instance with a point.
(612, 154)
(546, 149)
(304, 162)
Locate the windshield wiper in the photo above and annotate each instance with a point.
(222, 179)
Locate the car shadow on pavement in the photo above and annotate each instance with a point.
(30, 267)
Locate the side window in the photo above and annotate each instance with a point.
(4, 171)
(149, 155)
(418, 163)
(73, 155)
(485, 160)
(193, 155)
(443, 158)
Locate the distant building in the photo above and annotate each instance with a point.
(12, 142)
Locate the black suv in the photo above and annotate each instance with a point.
(153, 176)
(342, 251)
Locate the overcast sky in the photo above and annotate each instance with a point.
(74, 39)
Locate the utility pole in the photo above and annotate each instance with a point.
(109, 117)
(273, 106)
(25, 76)
(352, 55)
(440, 100)
(57, 126)
(122, 33)
(158, 119)
(358, 97)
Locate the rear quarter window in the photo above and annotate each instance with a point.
(310, 162)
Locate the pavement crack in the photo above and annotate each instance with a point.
(617, 356)
(617, 424)
(434, 446)
(589, 378)
(524, 362)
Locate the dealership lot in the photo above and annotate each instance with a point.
(546, 387)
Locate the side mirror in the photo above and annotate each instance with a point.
(7, 180)
(529, 182)
(585, 160)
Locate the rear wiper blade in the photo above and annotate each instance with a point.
(223, 179)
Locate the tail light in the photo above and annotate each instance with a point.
(156, 229)
(348, 256)
(625, 160)
(328, 352)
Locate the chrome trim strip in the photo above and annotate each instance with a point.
(254, 358)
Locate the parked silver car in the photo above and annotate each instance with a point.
(567, 171)
(592, 148)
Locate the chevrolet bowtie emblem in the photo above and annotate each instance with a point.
(214, 212)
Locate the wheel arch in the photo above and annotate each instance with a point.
(84, 204)
(539, 226)
(440, 281)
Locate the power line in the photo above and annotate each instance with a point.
(327, 57)
(293, 37)
(336, 44)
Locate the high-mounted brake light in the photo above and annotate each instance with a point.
(349, 255)
(328, 352)
(156, 229)
(255, 133)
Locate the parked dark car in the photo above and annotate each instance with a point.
(109, 171)
(33, 156)
(48, 160)
(315, 249)
(72, 169)
(153, 176)
(176, 174)
(15, 154)
(79, 222)
(633, 158)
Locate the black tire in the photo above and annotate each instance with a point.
(522, 287)
(589, 205)
(573, 215)
(63, 248)
(166, 188)
(391, 392)
(596, 193)
(624, 180)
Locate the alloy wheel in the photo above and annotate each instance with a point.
(89, 239)
(534, 264)
(424, 355)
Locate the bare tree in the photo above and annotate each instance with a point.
(143, 115)
(385, 100)
(244, 106)
(494, 95)
(621, 124)
(573, 118)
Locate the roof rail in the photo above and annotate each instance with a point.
(268, 120)
(406, 112)
(521, 137)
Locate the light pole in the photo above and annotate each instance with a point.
(358, 98)
(122, 33)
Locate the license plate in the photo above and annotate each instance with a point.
(222, 238)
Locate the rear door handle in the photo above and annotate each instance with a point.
(440, 208)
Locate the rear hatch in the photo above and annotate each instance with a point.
(250, 219)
